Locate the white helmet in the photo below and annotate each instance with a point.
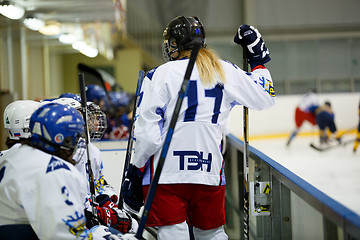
(68, 101)
(17, 118)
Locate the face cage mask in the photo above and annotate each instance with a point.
(97, 124)
(166, 50)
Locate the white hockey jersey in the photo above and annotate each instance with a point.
(194, 154)
(309, 102)
(44, 191)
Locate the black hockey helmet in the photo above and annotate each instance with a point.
(181, 34)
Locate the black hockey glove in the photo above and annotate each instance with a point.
(250, 38)
(91, 220)
(132, 189)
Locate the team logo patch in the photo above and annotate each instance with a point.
(17, 134)
(76, 224)
(56, 164)
(194, 160)
(59, 138)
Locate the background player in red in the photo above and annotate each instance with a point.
(305, 112)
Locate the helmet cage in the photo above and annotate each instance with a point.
(97, 121)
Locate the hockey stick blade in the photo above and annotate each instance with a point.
(319, 148)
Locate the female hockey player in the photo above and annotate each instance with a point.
(42, 196)
(40, 193)
(108, 212)
(192, 183)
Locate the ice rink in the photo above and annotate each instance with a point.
(335, 172)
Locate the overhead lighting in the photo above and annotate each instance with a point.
(67, 38)
(89, 51)
(85, 49)
(79, 45)
(50, 29)
(33, 23)
(10, 10)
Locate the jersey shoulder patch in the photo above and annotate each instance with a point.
(56, 164)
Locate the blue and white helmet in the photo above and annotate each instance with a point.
(56, 126)
(71, 95)
(119, 99)
(95, 92)
(68, 101)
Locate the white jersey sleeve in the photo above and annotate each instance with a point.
(96, 167)
(194, 154)
(44, 191)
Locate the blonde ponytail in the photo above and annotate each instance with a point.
(210, 69)
(208, 64)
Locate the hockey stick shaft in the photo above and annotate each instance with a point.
(87, 139)
(246, 156)
(155, 180)
(130, 139)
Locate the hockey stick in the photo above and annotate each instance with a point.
(95, 73)
(246, 156)
(87, 139)
(329, 147)
(155, 180)
(130, 139)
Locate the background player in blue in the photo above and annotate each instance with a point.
(325, 119)
(192, 183)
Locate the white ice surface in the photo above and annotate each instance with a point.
(335, 172)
